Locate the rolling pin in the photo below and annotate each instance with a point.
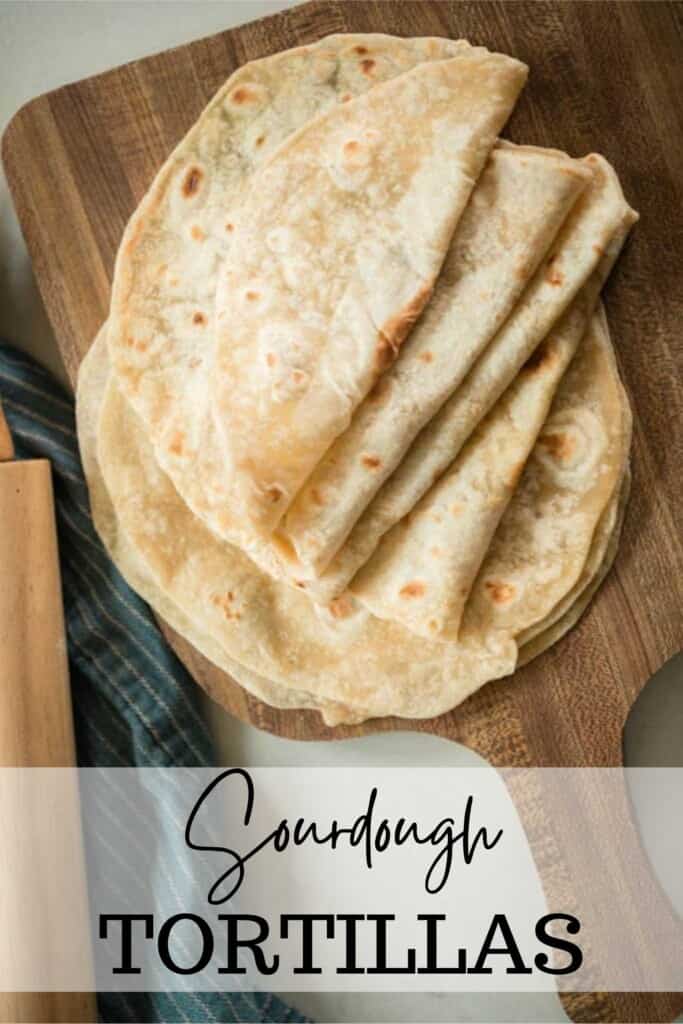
(36, 730)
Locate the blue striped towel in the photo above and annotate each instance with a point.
(134, 703)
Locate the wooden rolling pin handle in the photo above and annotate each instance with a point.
(35, 711)
(36, 727)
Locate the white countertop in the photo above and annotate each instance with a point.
(44, 45)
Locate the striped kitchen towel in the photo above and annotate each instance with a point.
(134, 703)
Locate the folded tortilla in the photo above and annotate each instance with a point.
(423, 570)
(575, 473)
(595, 228)
(335, 252)
(521, 200)
(161, 322)
(567, 612)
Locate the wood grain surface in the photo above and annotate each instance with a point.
(604, 76)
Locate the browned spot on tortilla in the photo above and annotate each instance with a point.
(271, 358)
(500, 593)
(346, 97)
(553, 275)
(367, 65)
(540, 359)
(229, 226)
(433, 625)
(396, 329)
(251, 295)
(132, 376)
(177, 442)
(225, 603)
(426, 357)
(598, 249)
(192, 181)
(300, 584)
(457, 508)
(274, 493)
(141, 346)
(360, 50)
(199, 318)
(243, 95)
(413, 589)
(194, 362)
(371, 461)
(559, 446)
(317, 496)
(351, 147)
(197, 233)
(261, 139)
(436, 552)
(341, 607)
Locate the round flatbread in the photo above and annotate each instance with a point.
(347, 656)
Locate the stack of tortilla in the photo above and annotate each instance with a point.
(354, 425)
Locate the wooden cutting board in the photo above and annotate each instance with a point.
(605, 76)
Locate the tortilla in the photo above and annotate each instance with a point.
(423, 570)
(346, 655)
(336, 251)
(93, 375)
(161, 318)
(594, 232)
(161, 323)
(577, 467)
(521, 200)
(567, 612)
